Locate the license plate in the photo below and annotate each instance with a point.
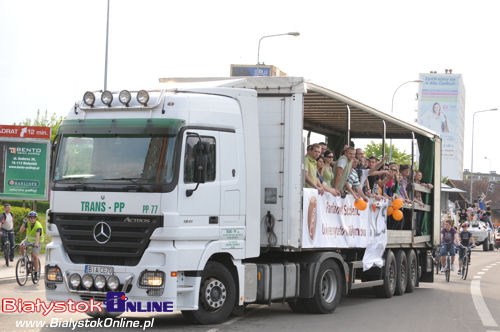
(94, 269)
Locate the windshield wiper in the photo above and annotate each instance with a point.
(133, 180)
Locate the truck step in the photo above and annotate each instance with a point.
(367, 284)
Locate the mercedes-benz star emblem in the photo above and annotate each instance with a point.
(102, 232)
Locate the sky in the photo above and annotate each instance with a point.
(52, 51)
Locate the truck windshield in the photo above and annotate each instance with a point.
(115, 159)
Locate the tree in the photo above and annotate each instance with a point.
(43, 121)
(375, 149)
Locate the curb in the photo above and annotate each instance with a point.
(10, 280)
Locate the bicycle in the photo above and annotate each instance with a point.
(447, 270)
(6, 247)
(436, 258)
(25, 267)
(465, 261)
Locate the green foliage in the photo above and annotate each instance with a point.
(375, 149)
(43, 120)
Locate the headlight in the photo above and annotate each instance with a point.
(87, 281)
(107, 98)
(74, 280)
(89, 98)
(113, 283)
(53, 274)
(143, 97)
(125, 97)
(100, 282)
(151, 278)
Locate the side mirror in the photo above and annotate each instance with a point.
(200, 163)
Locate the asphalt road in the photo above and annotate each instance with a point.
(471, 305)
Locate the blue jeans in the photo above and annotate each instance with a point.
(445, 247)
(10, 234)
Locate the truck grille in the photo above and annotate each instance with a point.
(130, 236)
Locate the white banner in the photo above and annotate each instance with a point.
(334, 222)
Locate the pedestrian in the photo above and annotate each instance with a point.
(7, 229)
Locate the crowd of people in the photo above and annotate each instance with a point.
(360, 176)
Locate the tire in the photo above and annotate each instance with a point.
(327, 290)
(389, 275)
(401, 272)
(217, 296)
(299, 306)
(448, 268)
(6, 253)
(486, 244)
(465, 267)
(37, 279)
(21, 272)
(412, 272)
(103, 314)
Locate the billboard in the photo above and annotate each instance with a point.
(24, 162)
(441, 108)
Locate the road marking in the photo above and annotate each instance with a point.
(485, 269)
(481, 308)
(481, 272)
(477, 277)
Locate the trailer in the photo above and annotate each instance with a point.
(194, 196)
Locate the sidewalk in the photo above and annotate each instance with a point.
(8, 274)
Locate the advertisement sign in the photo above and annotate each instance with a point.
(441, 108)
(24, 163)
(334, 222)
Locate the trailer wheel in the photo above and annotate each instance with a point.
(401, 272)
(389, 274)
(412, 272)
(217, 296)
(328, 289)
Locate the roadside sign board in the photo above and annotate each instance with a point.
(24, 162)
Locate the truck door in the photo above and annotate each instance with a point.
(199, 203)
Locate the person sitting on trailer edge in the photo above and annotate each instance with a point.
(343, 168)
(33, 235)
(311, 168)
(465, 238)
(449, 236)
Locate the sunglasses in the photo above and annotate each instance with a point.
(393, 169)
(328, 156)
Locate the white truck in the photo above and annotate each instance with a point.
(193, 196)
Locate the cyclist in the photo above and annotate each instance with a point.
(33, 235)
(465, 238)
(449, 236)
(7, 229)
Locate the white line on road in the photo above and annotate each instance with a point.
(481, 272)
(481, 308)
(485, 269)
(477, 277)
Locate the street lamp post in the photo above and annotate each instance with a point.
(472, 149)
(392, 110)
(279, 34)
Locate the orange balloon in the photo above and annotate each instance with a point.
(389, 210)
(397, 215)
(397, 204)
(360, 204)
(374, 207)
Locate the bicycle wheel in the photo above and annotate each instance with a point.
(465, 267)
(21, 271)
(6, 252)
(448, 268)
(37, 278)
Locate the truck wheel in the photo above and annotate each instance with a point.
(389, 286)
(401, 272)
(412, 271)
(103, 314)
(328, 289)
(486, 244)
(217, 296)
